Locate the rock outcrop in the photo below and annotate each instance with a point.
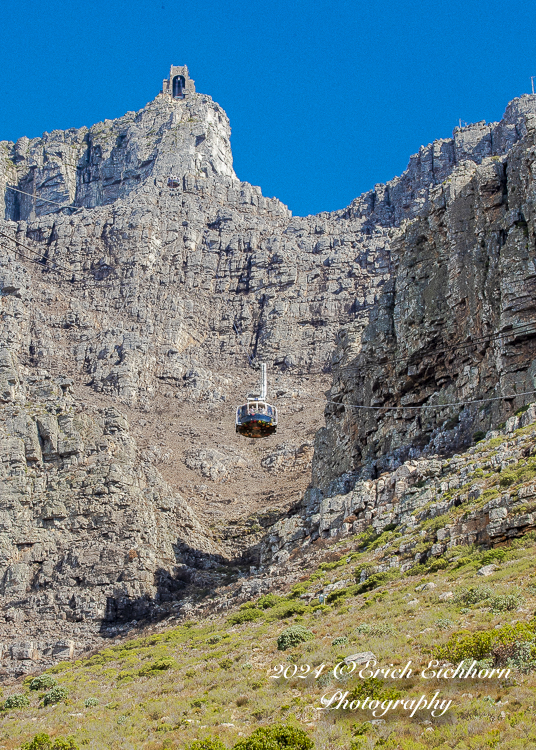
(434, 502)
(455, 324)
(137, 272)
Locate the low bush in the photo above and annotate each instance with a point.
(44, 681)
(156, 667)
(278, 737)
(485, 643)
(207, 744)
(297, 590)
(378, 579)
(522, 472)
(17, 700)
(506, 602)
(372, 687)
(340, 641)
(473, 595)
(493, 556)
(286, 608)
(438, 563)
(293, 636)
(244, 615)
(91, 702)
(335, 596)
(57, 695)
(381, 628)
(43, 741)
(268, 600)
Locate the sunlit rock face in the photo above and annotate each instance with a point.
(155, 276)
(463, 272)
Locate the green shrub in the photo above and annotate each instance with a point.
(342, 640)
(387, 535)
(244, 615)
(268, 600)
(285, 609)
(210, 743)
(278, 737)
(91, 702)
(444, 623)
(226, 663)
(439, 563)
(42, 682)
(214, 639)
(506, 602)
(484, 643)
(335, 596)
(17, 700)
(56, 695)
(67, 743)
(367, 537)
(375, 689)
(293, 636)
(298, 590)
(473, 595)
(378, 579)
(523, 472)
(156, 667)
(465, 560)
(493, 556)
(43, 741)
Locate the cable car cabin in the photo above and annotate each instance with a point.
(173, 182)
(256, 419)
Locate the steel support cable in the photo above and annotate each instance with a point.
(340, 403)
(424, 406)
(519, 330)
(523, 329)
(70, 270)
(38, 198)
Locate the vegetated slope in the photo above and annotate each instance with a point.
(141, 304)
(214, 674)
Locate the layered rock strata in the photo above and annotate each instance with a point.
(455, 324)
(135, 266)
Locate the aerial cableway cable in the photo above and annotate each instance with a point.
(521, 330)
(424, 406)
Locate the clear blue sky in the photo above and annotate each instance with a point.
(325, 98)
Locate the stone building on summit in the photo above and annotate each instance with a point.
(179, 84)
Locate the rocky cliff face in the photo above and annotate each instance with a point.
(455, 323)
(130, 305)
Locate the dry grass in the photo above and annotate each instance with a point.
(214, 678)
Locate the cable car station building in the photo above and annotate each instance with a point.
(179, 84)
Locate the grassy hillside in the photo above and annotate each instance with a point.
(216, 678)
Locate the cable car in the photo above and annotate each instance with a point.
(173, 182)
(257, 418)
